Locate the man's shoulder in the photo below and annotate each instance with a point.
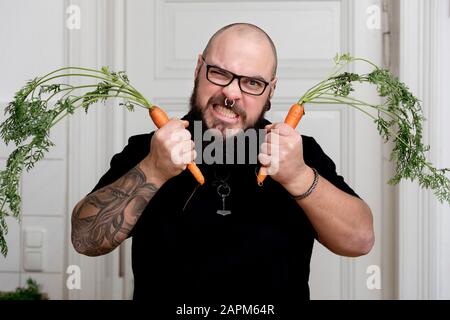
(140, 138)
(312, 151)
(137, 146)
(308, 141)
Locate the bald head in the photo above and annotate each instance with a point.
(245, 30)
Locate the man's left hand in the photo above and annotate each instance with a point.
(281, 155)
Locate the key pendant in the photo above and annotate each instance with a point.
(223, 190)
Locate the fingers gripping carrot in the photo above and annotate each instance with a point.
(160, 118)
(293, 117)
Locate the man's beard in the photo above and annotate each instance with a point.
(198, 112)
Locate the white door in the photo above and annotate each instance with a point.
(31, 46)
(163, 39)
(157, 42)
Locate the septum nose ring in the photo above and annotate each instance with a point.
(228, 104)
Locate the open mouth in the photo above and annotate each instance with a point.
(225, 114)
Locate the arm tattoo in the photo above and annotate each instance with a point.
(105, 218)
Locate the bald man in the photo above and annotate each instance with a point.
(230, 238)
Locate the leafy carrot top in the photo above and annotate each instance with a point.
(398, 118)
(44, 101)
(40, 105)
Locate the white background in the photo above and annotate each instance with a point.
(157, 43)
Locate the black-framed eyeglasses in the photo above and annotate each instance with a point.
(221, 77)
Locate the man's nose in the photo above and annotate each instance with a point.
(232, 91)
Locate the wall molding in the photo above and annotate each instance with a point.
(441, 286)
(169, 66)
(92, 138)
(420, 238)
(350, 278)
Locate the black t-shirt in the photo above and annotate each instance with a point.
(185, 251)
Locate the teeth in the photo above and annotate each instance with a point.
(226, 112)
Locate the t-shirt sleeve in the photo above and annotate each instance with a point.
(315, 157)
(137, 149)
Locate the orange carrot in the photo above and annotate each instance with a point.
(293, 117)
(160, 118)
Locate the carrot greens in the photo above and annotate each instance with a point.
(39, 106)
(399, 118)
(44, 101)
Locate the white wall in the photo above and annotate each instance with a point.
(162, 66)
(424, 223)
(442, 284)
(31, 44)
(34, 40)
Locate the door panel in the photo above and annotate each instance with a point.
(164, 39)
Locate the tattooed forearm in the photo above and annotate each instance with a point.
(103, 219)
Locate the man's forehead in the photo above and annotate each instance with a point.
(237, 47)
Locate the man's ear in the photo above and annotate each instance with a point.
(199, 65)
(273, 86)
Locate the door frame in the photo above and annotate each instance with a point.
(102, 28)
(423, 223)
(110, 276)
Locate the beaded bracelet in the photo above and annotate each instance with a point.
(311, 189)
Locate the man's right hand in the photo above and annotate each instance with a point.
(172, 149)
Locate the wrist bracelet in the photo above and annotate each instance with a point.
(311, 189)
